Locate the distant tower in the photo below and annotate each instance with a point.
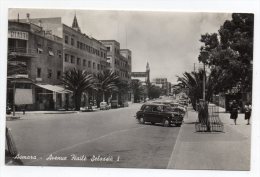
(75, 24)
(148, 72)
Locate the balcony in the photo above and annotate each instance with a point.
(22, 52)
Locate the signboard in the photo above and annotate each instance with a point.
(18, 35)
(139, 74)
(23, 96)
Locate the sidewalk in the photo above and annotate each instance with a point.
(228, 150)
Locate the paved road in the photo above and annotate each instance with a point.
(111, 138)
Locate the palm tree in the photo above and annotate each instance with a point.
(123, 88)
(77, 81)
(193, 82)
(106, 82)
(138, 89)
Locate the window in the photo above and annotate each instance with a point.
(89, 64)
(50, 51)
(72, 59)
(66, 39)
(77, 44)
(94, 65)
(66, 57)
(78, 61)
(49, 73)
(98, 66)
(147, 108)
(72, 41)
(109, 60)
(84, 62)
(81, 45)
(108, 49)
(39, 50)
(39, 72)
(59, 53)
(58, 74)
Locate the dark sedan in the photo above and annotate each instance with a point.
(158, 113)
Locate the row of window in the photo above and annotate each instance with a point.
(83, 46)
(49, 73)
(109, 49)
(122, 74)
(121, 63)
(72, 59)
(50, 51)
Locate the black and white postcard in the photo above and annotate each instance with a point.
(129, 89)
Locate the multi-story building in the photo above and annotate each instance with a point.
(81, 51)
(53, 48)
(35, 65)
(166, 86)
(120, 60)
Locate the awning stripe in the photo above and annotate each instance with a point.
(54, 88)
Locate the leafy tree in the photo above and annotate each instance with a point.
(138, 89)
(229, 53)
(77, 81)
(154, 91)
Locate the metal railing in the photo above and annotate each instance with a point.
(208, 119)
(23, 51)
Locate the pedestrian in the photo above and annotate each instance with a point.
(24, 109)
(248, 109)
(234, 111)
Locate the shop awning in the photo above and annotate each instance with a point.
(54, 88)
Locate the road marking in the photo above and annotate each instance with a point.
(85, 142)
(177, 142)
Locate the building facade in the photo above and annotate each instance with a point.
(54, 48)
(165, 85)
(81, 51)
(120, 60)
(35, 61)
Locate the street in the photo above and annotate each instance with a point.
(111, 138)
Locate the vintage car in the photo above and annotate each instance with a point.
(158, 113)
(88, 108)
(104, 106)
(175, 106)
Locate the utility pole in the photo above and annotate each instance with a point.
(14, 97)
(204, 83)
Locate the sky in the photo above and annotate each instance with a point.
(169, 41)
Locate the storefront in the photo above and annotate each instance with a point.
(51, 97)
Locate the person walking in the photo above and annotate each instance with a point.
(248, 109)
(234, 111)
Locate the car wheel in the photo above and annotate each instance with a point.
(141, 120)
(166, 123)
(152, 123)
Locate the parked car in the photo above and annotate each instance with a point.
(114, 104)
(87, 109)
(175, 106)
(104, 106)
(159, 113)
